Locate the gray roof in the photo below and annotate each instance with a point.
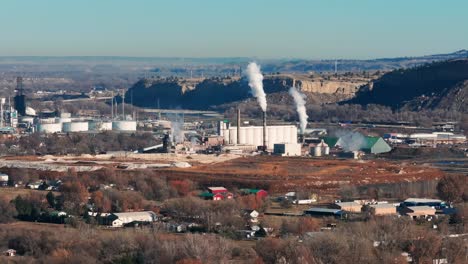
(420, 208)
(347, 204)
(323, 210)
(382, 206)
(422, 200)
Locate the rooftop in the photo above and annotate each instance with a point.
(382, 206)
(348, 204)
(134, 214)
(422, 200)
(217, 189)
(420, 208)
(323, 210)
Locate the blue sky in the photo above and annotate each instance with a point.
(228, 28)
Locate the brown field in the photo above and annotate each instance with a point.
(279, 174)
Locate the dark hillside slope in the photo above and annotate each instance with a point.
(425, 86)
(172, 93)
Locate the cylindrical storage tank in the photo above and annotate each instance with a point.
(47, 120)
(326, 150)
(233, 136)
(106, 126)
(258, 136)
(317, 151)
(272, 136)
(49, 128)
(293, 138)
(243, 136)
(75, 126)
(279, 134)
(287, 134)
(226, 136)
(250, 136)
(124, 125)
(99, 126)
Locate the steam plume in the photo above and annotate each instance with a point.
(299, 100)
(256, 84)
(350, 140)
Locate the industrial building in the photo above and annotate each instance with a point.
(383, 209)
(348, 207)
(287, 149)
(122, 219)
(253, 135)
(373, 145)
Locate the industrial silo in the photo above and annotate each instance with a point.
(75, 127)
(124, 125)
(49, 128)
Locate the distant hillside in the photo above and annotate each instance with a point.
(385, 64)
(439, 85)
(207, 93)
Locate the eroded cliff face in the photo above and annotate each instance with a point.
(329, 87)
(204, 93)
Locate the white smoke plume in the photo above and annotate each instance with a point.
(350, 140)
(299, 100)
(177, 128)
(256, 84)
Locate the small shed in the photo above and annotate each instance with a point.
(215, 190)
(9, 253)
(287, 149)
(4, 179)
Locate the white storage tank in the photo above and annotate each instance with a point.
(62, 120)
(326, 150)
(99, 125)
(50, 120)
(124, 125)
(75, 126)
(317, 151)
(49, 128)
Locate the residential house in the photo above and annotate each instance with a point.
(216, 194)
(51, 185)
(9, 253)
(34, 185)
(251, 215)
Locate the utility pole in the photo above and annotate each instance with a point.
(112, 106)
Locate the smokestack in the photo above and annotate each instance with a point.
(238, 125)
(264, 132)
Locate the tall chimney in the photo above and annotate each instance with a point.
(238, 125)
(264, 132)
